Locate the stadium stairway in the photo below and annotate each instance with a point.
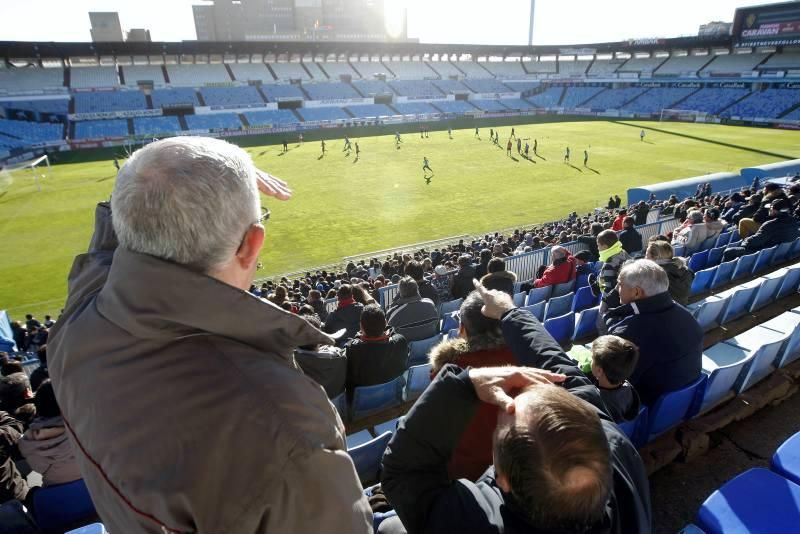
(302, 64)
(790, 110)
(121, 75)
(166, 74)
(322, 69)
(677, 104)
(355, 69)
(636, 97)
(272, 72)
(388, 69)
(230, 72)
(148, 99)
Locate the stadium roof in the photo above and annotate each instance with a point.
(53, 50)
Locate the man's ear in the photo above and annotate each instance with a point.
(251, 246)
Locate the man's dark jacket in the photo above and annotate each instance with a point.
(631, 240)
(348, 318)
(780, 229)
(591, 244)
(670, 343)
(462, 282)
(372, 361)
(415, 463)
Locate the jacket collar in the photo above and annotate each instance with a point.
(156, 299)
(656, 303)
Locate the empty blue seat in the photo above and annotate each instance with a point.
(691, 529)
(672, 408)
(57, 508)
(707, 312)
(582, 280)
(584, 299)
(559, 290)
(558, 306)
(367, 457)
(786, 460)
(698, 261)
(387, 426)
(734, 236)
(788, 324)
(419, 376)
(722, 364)
(723, 239)
(451, 306)
(538, 294)
(451, 321)
(764, 345)
(782, 252)
(418, 350)
(739, 300)
(94, 528)
(636, 430)
(519, 299)
(745, 266)
(724, 273)
(768, 289)
(368, 400)
(764, 259)
(702, 280)
(794, 252)
(359, 438)
(757, 501)
(586, 323)
(708, 243)
(340, 403)
(561, 328)
(537, 309)
(714, 256)
(790, 282)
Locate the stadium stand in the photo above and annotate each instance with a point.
(105, 101)
(576, 96)
(415, 88)
(316, 72)
(522, 86)
(573, 68)
(604, 67)
(517, 104)
(486, 86)
(472, 69)
(454, 106)
(549, 98)
(785, 60)
(449, 87)
(370, 110)
(270, 117)
(682, 65)
(445, 69)
(244, 72)
(372, 87)
(133, 74)
(768, 103)
(327, 113)
(614, 98)
(368, 69)
(713, 99)
(411, 70)
(197, 75)
(156, 125)
(46, 105)
(174, 96)
(335, 69)
(32, 132)
(93, 77)
(505, 69)
(101, 129)
(733, 63)
(330, 91)
(793, 115)
(414, 108)
(209, 121)
(231, 96)
(658, 98)
(541, 67)
(15, 80)
(489, 105)
(275, 92)
(643, 65)
(289, 71)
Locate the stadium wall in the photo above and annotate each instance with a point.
(772, 170)
(719, 181)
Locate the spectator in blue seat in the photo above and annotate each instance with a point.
(499, 278)
(612, 256)
(680, 276)
(692, 233)
(315, 301)
(45, 445)
(613, 362)
(415, 270)
(16, 397)
(411, 315)
(781, 227)
(714, 226)
(732, 207)
(670, 340)
(640, 212)
(462, 281)
(560, 463)
(582, 259)
(561, 270)
(326, 364)
(631, 239)
(590, 241)
(483, 263)
(346, 315)
(377, 355)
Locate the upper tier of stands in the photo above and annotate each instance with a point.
(445, 69)
(229, 121)
(101, 129)
(368, 69)
(410, 70)
(505, 69)
(156, 125)
(145, 73)
(734, 63)
(49, 105)
(330, 91)
(615, 98)
(641, 64)
(339, 68)
(770, 103)
(198, 75)
(472, 69)
(290, 71)
(31, 79)
(571, 68)
(93, 77)
(548, 98)
(315, 71)
(174, 96)
(486, 86)
(32, 132)
(370, 110)
(414, 108)
(541, 67)
(604, 67)
(447, 86)
(677, 65)
(104, 101)
(244, 72)
(786, 60)
(415, 88)
(231, 96)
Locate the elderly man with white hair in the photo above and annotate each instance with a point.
(562, 268)
(670, 340)
(179, 388)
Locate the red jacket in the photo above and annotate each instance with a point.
(617, 225)
(557, 274)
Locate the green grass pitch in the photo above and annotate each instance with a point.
(343, 207)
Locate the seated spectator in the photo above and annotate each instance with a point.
(315, 301)
(613, 362)
(462, 281)
(561, 270)
(16, 397)
(377, 354)
(732, 207)
(326, 364)
(426, 290)
(560, 464)
(619, 222)
(31, 322)
(631, 239)
(482, 269)
(781, 227)
(612, 256)
(680, 276)
(12, 483)
(714, 226)
(670, 340)
(411, 315)
(480, 344)
(9, 367)
(640, 212)
(46, 445)
(499, 278)
(48, 321)
(346, 315)
(693, 233)
(583, 261)
(591, 241)
(361, 294)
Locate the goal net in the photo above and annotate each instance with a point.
(35, 170)
(684, 115)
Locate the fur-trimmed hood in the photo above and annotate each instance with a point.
(453, 350)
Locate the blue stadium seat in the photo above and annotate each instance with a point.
(722, 364)
(451, 306)
(723, 239)
(691, 529)
(539, 294)
(698, 260)
(450, 321)
(790, 282)
(94, 528)
(724, 273)
(586, 323)
(745, 266)
(788, 324)
(764, 259)
(768, 290)
(519, 299)
(561, 328)
(739, 301)
(370, 110)
(326, 113)
(558, 306)
(679, 250)
(584, 299)
(714, 257)
(156, 125)
(764, 344)
(757, 501)
(636, 430)
(707, 244)
(340, 403)
(537, 309)
(387, 426)
(782, 252)
(734, 236)
(214, 121)
(101, 129)
(708, 311)
(582, 280)
(175, 96)
(64, 506)
(702, 280)
(560, 290)
(418, 350)
(270, 117)
(231, 96)
(794, 252)
(368, 400)
(419, 376)
(672, 408)
(367, 457)
(356, 440)
(786, 460)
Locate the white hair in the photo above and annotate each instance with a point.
(647, 275)
(188, 200)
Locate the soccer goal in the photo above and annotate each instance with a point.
(683, 115)
(36, 169)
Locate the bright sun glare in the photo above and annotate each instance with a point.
(394, 17)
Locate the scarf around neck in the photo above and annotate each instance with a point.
(613, 250)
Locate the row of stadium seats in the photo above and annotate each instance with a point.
(49, 105)
(769, 103)
(658, 98)
(31, 132)
(106, 101)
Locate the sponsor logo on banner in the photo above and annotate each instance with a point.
(115, 114)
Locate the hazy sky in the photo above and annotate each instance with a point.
(432, 21)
